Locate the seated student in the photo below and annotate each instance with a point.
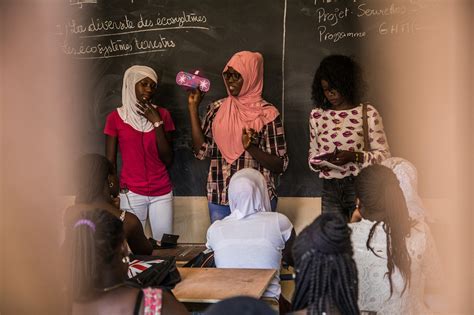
(99, 264)
(326, 274)
(251, 236)
(395, 254)
(408, 177)
(96, 186)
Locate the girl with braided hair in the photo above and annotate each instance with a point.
(326, 274)
(98, 261)
(395, 254)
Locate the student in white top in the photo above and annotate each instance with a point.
(251, 236)
(407, 175)
(395, 254)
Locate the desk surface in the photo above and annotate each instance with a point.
(210, 285)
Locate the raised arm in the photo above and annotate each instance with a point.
(163, 138)
(194, 99)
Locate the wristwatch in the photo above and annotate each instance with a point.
(158, 123)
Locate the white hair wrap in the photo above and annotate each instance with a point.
(128, 111)
(248, 194)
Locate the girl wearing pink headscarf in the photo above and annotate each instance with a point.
(239, 131)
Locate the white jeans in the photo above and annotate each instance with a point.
(159, 209)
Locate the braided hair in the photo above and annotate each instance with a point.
(344, 75)
(326, 274)
(91, 176)
(95, 241)
(382, 201)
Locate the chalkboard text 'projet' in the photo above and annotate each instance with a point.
(331, 17)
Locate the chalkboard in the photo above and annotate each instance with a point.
(104, 38)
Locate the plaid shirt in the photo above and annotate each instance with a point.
(271, 139)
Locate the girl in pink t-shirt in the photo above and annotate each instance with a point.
(142, 132)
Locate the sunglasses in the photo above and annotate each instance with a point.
(234, 75)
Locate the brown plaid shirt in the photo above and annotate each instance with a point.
(271, 139)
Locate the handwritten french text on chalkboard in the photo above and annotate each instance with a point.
(388, 18)
(104, 38)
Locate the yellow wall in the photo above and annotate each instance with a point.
(191, 218)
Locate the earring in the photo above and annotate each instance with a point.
(357, 208)
(126, 259)
(111, 184)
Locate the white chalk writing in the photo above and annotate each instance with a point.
(332, 17)
(338, 20)
(325, 35)
(393, 9)
(81, 2)
(397, 28)
(115, 37)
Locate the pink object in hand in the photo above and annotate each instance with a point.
(192, 81)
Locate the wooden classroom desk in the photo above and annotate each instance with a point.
(210, 285)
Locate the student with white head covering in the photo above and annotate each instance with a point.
(252, 236)
(247, 194)
(142, 132)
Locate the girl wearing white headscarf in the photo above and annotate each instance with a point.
(251, 236)
(142, 132)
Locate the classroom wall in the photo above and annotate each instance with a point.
(191, 217)
(37, 139)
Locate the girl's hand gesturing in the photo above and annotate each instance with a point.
(149, 112)
(249, 136)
